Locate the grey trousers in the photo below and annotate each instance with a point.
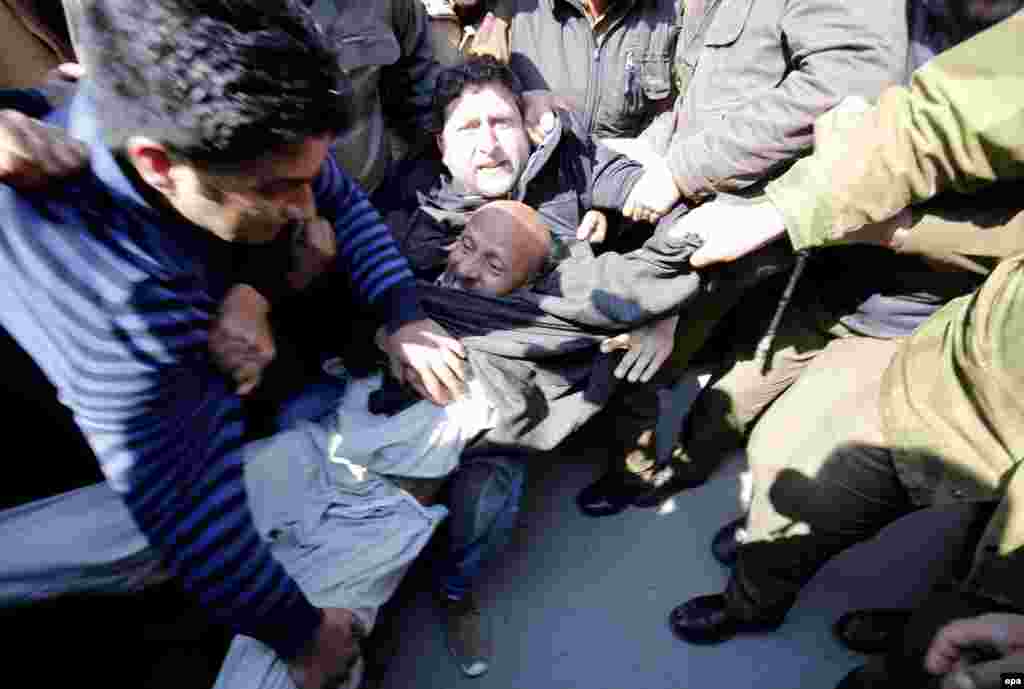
(345, 547)
(83, 541)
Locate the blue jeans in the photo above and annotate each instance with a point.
(483, 494)
(314, 402)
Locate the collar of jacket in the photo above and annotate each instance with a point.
(449, 202)
(542, 154)
(581, 7)
(82, 124)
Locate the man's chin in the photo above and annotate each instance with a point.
(493, 186)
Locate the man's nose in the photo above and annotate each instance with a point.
(468, 271)
(487, 140)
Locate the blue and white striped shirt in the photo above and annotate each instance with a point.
(113, 299)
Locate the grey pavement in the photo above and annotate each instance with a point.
(578, 603)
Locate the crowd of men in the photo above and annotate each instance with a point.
(312, 279)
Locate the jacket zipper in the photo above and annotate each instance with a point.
(594, 83)
(592, 92)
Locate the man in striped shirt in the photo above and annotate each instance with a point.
(208, 130)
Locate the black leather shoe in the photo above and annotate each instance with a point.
(871, 631)
(705, 620)
(606, 496)
(727, 541)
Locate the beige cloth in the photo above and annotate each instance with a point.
(26, 56)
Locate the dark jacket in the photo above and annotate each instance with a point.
(619, 71)
(384, 48)
(565, 176)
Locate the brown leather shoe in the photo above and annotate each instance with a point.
(467, 631)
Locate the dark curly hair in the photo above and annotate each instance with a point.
(217, 82)
(475, 71)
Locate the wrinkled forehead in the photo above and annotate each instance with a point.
(491, 99)
(502, 231)
(301, 161)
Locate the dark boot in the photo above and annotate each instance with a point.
(707, 620)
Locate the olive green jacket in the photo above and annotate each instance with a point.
(953, 396)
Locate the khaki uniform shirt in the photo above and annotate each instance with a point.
(953, 396)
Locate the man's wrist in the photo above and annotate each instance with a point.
(247, 295)
(293, 630)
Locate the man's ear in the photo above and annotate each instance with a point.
(152, 161)
(440, 142)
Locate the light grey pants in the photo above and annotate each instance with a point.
(84, 541)
(346, 542)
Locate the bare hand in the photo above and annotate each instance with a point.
(332, 653)
(66, 71)
(647, 348)
(593, 228)
(314, 248)
(889, 233)
(240, 341)
(435, 357)
(539, 113)
(653, 195)
(491, 37)
(729, 230)
(32, 153)
(1001, 631)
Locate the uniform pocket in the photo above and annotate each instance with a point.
(647, 80)
(728, 23)
(656, 76)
